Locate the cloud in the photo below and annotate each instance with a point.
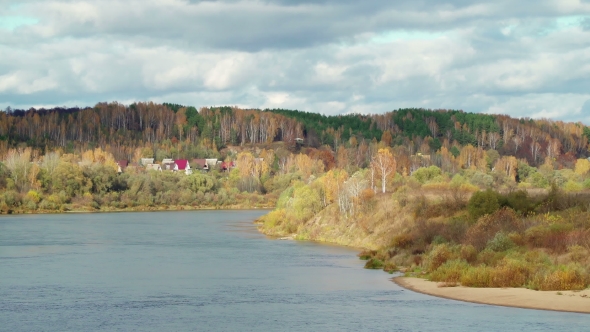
(528, 59)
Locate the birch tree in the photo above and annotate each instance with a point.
(384, 164)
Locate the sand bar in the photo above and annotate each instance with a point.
(571, 301)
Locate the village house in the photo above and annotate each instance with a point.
(200, 164)
(122, 165)
(146, 161)
(182, 165)
(211, 162)
(168, 165)
(153, 167)
(227, 166)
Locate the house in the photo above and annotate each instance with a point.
(211, 162)
(146, 161)
(121, 165)
(168, 165)
(299, 140)
(154, 167)
(200, 164)
(227, 165)
(182, 165)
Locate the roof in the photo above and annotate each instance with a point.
(202, 163)
(182, 164)
(122, 163)
(227, 164)
(168, 166)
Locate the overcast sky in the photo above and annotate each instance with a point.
(522, 58)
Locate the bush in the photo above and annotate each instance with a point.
(367, 254)
(477, 276)
(510, 273)
(425, 174)
(402, 241)
(437, 257)
(483, 202)
(468, 253)
(374, 264)
(500, 242)
(450, 271)
(569, 277)
(486, 227)
(518, 201)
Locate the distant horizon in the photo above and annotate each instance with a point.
(585, 123)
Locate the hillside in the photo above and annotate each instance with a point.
(177, 129)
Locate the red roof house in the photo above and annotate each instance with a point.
(182, 165)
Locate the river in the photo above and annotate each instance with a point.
(212, 271)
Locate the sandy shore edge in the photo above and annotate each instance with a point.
(568, 301)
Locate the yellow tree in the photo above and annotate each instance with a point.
(246, 164)
(468, 157)
(332, 183)
(582, 167)
(507, 165)
(386, 138)
(18, 162)
(384, 165)
(180, 122)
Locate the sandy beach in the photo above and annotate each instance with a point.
(571, 301)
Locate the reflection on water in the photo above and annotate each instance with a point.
(212, 271)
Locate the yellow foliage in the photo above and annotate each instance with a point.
(582, 167)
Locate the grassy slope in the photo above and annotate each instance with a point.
(432, 234)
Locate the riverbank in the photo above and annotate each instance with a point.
(141, 209)
(569, 301)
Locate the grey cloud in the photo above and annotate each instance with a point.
(252, 26)
(318, 56)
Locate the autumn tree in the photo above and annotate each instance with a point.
(18, 162)
(582, 167)
(508, 166)
(384, 164)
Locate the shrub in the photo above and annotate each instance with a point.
(437, 257)
(500, 242)
(564, 278)
(490, 258)
(535, 236)
(577, 253)
(510, 273)
(450, 271)
(425, 174)
(483, 202)
(468, 253)
(367, 254)
(402, 241)
(374, 264)
(572, 186)
(390, 267)
(482, 180)
(477, 276)
(518, 201)
(273, 218)
(487, 226)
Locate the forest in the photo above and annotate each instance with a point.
(476, 199)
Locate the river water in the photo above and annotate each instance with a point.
(212, 271)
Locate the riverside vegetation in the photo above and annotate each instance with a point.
(480, 200)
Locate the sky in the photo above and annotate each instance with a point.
(521, 58)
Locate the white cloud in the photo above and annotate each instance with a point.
(528, 58)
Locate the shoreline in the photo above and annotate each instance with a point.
(568, 301)
(153, 209)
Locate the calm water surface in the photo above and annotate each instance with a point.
(212, 271)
